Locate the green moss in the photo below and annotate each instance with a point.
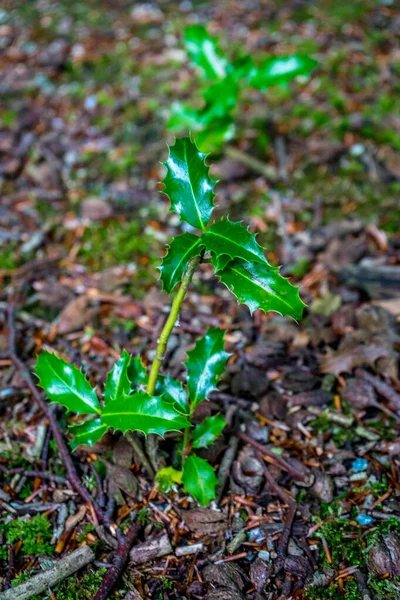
(73, 588)
(35, 534)
(344, 543)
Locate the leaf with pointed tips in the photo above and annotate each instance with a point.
(137, 373)
(66, 384)
(188, 184)
(204, 52)
(172, 391)
(199, 479)
(208, 431)
(261, 286)
(227, 239)
(281, 69)
(181, 250)
(117, 382)
(205, 365)
(145, 413)
(88, 433)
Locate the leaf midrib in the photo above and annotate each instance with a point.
(202, 226)
(195, 243)
(255, 282)
(74, 391)
(254, 256)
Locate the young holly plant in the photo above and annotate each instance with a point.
(155, 403)
(224, 81)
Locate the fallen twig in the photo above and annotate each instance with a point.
(119, 561)
(50, 577)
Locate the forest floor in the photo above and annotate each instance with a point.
(309, 501)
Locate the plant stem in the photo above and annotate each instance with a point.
(251, 162)
(169, 325)
(152, 440)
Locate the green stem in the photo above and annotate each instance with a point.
(169, 325)
(152, 440)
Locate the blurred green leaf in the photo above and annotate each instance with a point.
(274, 71)
(167, 478)
(204, 52)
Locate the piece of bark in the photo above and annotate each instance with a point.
(50, 577)
(154, 548)
(204, 520)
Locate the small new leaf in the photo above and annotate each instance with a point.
(188, 184)
(277, 70)
(261, 286)
(118, 382)
(227, 239)
(66, 384)
(167, 478)
(208, 431)
(204, 52)
(88, 433)
(199, 479)
(205, 365)
(174, 264)
(145, 413)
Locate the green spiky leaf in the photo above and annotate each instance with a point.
(137, 373)
(261, 286)
(227, 241)
(88, 433)
(66, 384)
(205, 365)
(174, 264)
(204, 52)
(145, 413)
(277, 70)
(167, 478)
(188, 184)
(172, 391)
(208, 431)
(199, 479)
(118, 382)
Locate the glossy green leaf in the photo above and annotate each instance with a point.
(172, 391)
(181, 250)
(188, 184)
(261, 286)
(205, 365)
(227, 239)
(118, 382)
(66, 384)
(277, 70)
(137, 373)
(204, 52)
(167, 478)
(199, 479)
(141, 412)
(208, 431)
(88, 433)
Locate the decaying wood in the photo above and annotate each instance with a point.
(50, 577)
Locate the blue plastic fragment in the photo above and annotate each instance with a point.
(360, 464)
(364, 519)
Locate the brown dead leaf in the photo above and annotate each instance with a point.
(344, 361)
(204, 520)
(75, 315)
